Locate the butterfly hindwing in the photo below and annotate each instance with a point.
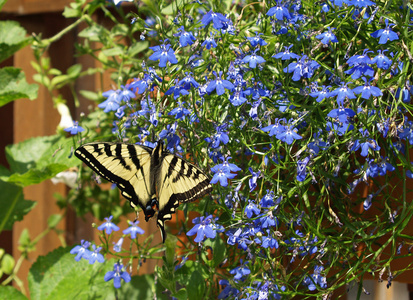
(178, 181)
(124, 164)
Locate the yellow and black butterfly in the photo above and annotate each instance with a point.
(148, 177)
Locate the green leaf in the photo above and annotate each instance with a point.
(58, 276)
(7, 264)
(137, 48)
(13, 206)
(115, 51)
(94, 33)
(8, 292)
(218, 251)
(13, 86)
(40, 158)
(173, 7)
(90, 95)
(196, 286)
(12, 38)
(53, 220)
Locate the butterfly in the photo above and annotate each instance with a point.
(148, 177)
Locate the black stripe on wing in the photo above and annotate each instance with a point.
(90, 158)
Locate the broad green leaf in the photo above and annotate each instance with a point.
(13, 86)
(196, 286)
(93, 33)
(8, 292)
(40, 158)
(58, 276)
(13, 206)
(173, 7)
(90, 95)
(12, 38)
(2, 2)
(218, 250)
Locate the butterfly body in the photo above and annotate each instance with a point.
(148, 177)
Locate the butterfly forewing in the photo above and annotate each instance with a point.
(126, 165)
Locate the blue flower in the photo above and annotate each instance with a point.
(163, 53)
(342, 93)
(117, 274)
(280, 11)
(367, 90)
(240, 272)
(204, 228)
(253, 179)
(108, 226)
(253, 59)
(133, 230)
(112, 102)
(286, 54)
(188, 81)
(256, 40)
(251, 209)
(288, 134)
(219, 84)
(302, 169)
(360, 3)
(177, 90)
(228, 291)
(327, 37)
(316, 279)
(75, 129)
(118, 246)
(81, 251)
(185, 38)
(226, 166)
(381, 60)
(222, 175)
(95, 255)
(217, 19)
(385, 34)
(209, 42)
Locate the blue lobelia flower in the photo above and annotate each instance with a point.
(381, 60)
(342, 93)
(253, 59)
(280, 11)
(316, 279)
(367, 90)
(177, 90)
(327, 37)
(240, 272)
(117, 247)
(251, 209)
(185, 38)
(117, 274)
(219, 84)
(95, 255)
(288, 134)
(365, 145)
(188, 81)
(217, 19)
(179, 112)
(112, 102)
(253, 180)
(222, 175)
(108, 226)
(134, 229)
(286, 54)
(75, 129)
(228, 291)
(256, 40)
(204, 228)
(209, 43)
(385, 34)
(360, 3)
(302, 169)
(81, 251)
(163, 53)
(228, 167)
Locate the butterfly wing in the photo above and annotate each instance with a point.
(126, 165)
(178, 181)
